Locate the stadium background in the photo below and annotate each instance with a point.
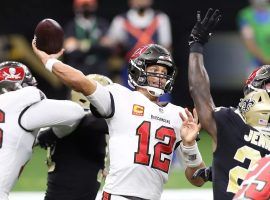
(21, 17)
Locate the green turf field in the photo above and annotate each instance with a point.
(33, 177)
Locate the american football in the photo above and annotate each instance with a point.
(49, 36)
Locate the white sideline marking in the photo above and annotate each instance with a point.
(185, 194)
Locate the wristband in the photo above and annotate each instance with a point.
(196, 47)
(50, 62)
(192, 155)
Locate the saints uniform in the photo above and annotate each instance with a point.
(239, 147)
(22, 113)
(76, 161)
(143, 136)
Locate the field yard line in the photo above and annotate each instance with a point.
(185, 194)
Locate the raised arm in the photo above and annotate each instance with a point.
(199, 84)
(51, 113)
(98, 95)
(71, 77)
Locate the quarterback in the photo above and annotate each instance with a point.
(143, 133)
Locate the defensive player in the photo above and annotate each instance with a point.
(76, 160)
(143, 132)
(240, 135)
(24, 109)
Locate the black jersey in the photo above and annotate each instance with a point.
(78, 158)
(239, 146)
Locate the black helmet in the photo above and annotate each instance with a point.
(148, 55)
(15, 75)
(257, 79)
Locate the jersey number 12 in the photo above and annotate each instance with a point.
(142, 156)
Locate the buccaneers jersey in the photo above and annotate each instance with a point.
(15, 142)
(257, 183)
(143, 137)
(22, 114)
(239, 147)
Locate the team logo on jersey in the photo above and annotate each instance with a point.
(11, 74)
(137, 110)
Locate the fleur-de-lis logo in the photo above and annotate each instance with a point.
(246, 104)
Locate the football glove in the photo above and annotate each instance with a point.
(46, 138)
(204, 173)
(202, 30)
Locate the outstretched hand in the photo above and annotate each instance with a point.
(190, 127)
(43, 56)
(203, 29)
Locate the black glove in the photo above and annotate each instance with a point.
(202, 30)
(47, 138)
(204, 173)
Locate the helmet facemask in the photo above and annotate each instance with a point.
(148, 56)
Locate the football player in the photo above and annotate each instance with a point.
(24, 109)
(75, 160)
(257, 182)
(143, 132)
(240, 135)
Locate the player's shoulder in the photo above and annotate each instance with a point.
(224, 110)
(29, 92)
(228, 114)
(117, 88)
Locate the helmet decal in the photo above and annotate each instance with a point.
(139, 51)
(12, 74)
(15, 75)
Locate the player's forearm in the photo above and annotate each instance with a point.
(73, 78)
(51, 113)
(199, 86)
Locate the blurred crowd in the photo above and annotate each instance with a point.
(97, 45)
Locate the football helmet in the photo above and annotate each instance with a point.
(257, 79)
(14, 76)
(148, 55)
(255, 106)
(80, 98)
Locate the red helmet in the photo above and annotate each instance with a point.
(15, 75)
(145, 56)
(257, 79)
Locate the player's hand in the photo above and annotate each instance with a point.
(46, 138)
(190, 127)
(202, 30)
(43, 56)
(204, 173)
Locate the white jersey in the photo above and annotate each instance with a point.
(142, 139)
(22, 113)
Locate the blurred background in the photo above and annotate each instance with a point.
(226, 58)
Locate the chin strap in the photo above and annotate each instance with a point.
(156, 92)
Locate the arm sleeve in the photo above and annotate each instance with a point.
(101, 100)
(51, 113)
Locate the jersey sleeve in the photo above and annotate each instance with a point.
(49, 113)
